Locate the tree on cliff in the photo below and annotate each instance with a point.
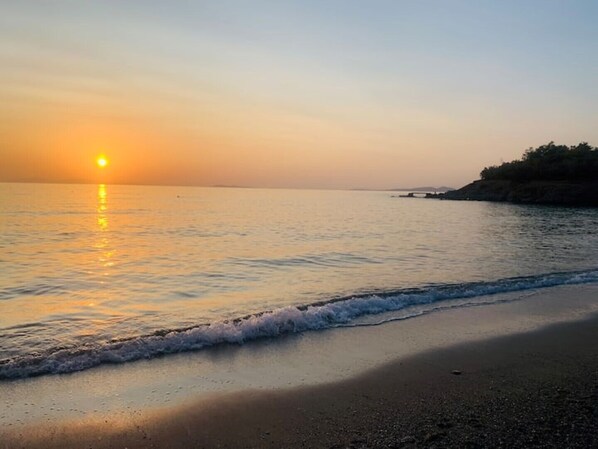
(549, 162)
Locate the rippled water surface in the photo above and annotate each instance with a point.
(83, 264)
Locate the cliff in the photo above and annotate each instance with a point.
(565, 193)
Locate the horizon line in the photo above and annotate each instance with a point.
(221, 186)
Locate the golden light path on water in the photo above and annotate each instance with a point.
(104, 242)
(106, 251)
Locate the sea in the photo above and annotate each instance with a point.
(105, 274)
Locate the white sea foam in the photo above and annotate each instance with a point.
(287, 320)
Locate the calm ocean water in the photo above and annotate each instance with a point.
(104, 274)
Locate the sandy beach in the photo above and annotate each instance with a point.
(521, 373)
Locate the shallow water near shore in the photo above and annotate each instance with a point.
(108, 274)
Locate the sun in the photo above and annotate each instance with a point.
(102, 161)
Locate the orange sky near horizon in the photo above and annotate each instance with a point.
(236, 145)
(286, 95)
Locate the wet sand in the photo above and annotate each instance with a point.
(533, 388)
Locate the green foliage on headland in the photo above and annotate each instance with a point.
(549, 162)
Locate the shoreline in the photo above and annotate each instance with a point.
(564, 193)
(507, 354)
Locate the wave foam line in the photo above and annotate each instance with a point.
(287, 320)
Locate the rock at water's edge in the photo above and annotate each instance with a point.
(562, 193)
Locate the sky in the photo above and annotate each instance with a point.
(305, 94)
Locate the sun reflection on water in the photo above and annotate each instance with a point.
(103, 242)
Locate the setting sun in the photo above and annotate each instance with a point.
(102, 161)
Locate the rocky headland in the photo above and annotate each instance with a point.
(549, 174)
(533, 192)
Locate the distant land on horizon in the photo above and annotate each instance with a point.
(423, 189)
(441, 189)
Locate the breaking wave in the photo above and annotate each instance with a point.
(287, 320)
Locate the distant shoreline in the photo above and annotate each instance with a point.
(440, 189)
